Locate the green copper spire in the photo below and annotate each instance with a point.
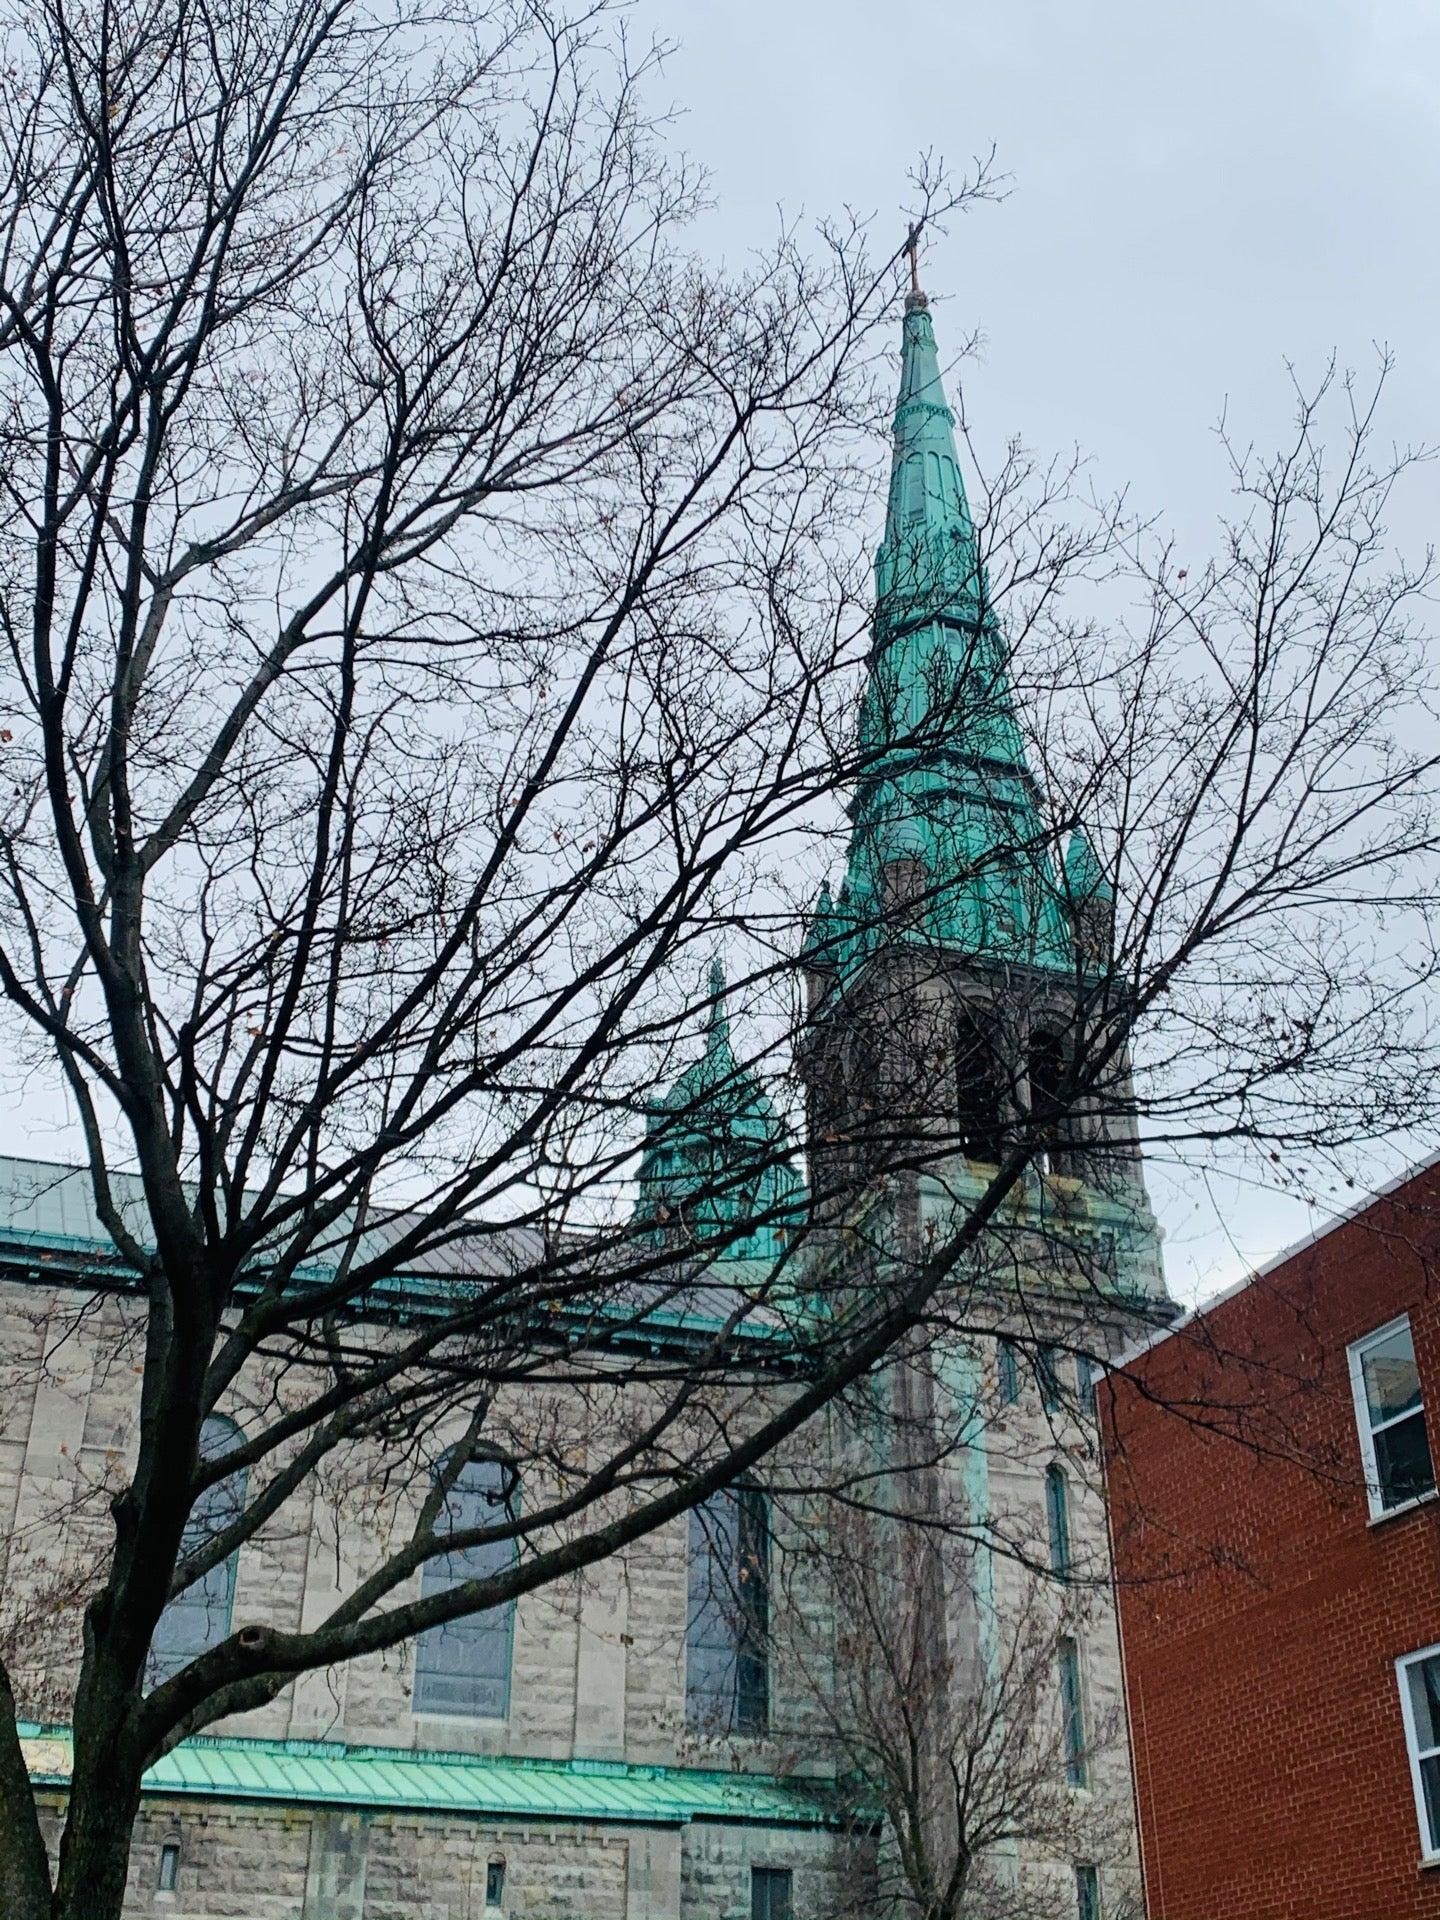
(946, 788)
(716, 1152)
(928, 563)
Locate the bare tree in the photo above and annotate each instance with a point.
(961, 1748)
(431, 608)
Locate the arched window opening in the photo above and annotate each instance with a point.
(199, 1617)
(727, 1669)
(463, 1666)
(1057, 1519)
(1046, 1075)
(978, 1121)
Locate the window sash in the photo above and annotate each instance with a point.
(1385, 1492)
(1424, 1755)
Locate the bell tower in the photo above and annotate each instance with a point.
(959, 984)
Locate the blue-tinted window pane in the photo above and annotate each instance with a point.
(1072, 1712)
(727, 1676)
(1392, 1380)
(1430, 1786)
(1423, 1680)
(1057, 1515)
(463, 1667)
(199, 1618)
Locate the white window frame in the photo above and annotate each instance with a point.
(1356, 1352)
(1429, 1854)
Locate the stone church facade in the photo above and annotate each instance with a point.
(557, 1764)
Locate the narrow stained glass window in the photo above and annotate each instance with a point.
(1057, 1518)
(1007, 1367)
(727, 1674)
(1087, 1893)
(1047, 1372)
(1072, 1712)
(463, 1666)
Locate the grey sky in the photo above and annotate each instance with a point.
(1199, 194)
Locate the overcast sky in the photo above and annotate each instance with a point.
(1198, 195)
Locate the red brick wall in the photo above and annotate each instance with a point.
(1261, 1613)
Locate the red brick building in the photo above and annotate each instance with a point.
(1277, 1547)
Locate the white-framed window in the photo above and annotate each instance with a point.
(1390, 1414)
(1419, 1675)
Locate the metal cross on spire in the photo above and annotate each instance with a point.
(912, 249)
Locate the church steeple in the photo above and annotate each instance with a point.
(945, 796)
(928, 564)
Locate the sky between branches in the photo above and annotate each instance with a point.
(1197, 196)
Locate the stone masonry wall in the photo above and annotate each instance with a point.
(241, 1862)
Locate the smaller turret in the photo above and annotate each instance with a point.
(717, 1155)
(1090, 896)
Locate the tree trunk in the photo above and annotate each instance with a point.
(95, 1849)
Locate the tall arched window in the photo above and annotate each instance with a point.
(977, 1092)
(727, 1671)
(1057, 1519)
(199, 1618)
(463, 1666)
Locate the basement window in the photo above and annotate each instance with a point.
(772, 1894)
(1420, 1706)
(1390, 1414)
(169, 1873)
